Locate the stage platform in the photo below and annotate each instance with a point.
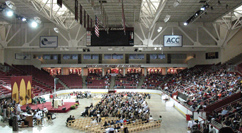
(67, 105)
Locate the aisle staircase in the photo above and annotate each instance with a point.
(84, 86)
(63, 84)
(112, 84)
(141, 82)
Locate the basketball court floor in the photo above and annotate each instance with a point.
(173, 121)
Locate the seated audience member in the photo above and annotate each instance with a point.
(105, 124)
(49, 115)
(160, 119)
(224, 111)
(69, 118)
(151, 118)
(94, 121)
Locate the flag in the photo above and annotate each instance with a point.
(96, 26)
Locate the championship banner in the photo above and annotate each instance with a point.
(22, 89)
(76, 10)
(48, 41)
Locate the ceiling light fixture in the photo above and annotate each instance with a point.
(9, 13)
(34, 24)
(176, 3)
(10, 5)
(56, 30)
(159, 29)
(166, 19)
(23, 19)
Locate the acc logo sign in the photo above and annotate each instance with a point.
(172, 40)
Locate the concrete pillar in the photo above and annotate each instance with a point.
(82, 71)
(103, 72)
(124, 71)
(145, 71)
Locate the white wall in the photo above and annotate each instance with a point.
(233, 48)
(2, 55)
(201, 58)
(9, 58)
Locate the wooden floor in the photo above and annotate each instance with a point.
(173, 121)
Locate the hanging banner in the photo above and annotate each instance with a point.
(87, 21)
(21, 89)
(76, 10)
(84, 19)
(88, 38)
(81, 14)
(59, 3)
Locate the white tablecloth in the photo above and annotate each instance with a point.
(58, 102)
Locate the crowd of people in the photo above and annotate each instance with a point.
(97, 80)
(127, 107)
(122, 105)
(130, 80)
(230, 116)
(204, 85)
(9, 109)
(152, 81)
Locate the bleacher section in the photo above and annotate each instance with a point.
(203, 85)
(152, 81)
(130, 81)
(72, 80)
(96, 81)
(41, 76)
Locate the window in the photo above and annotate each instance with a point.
(46, 57)
(95, 56)
(161, 56)
(55, 57)
(107, 56)
(74, 57)
(117, 56)
(66, 57)
(136, 56)
(87, 57)
(212, 55)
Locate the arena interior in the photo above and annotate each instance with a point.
(160, 66)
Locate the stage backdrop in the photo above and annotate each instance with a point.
(21, 89)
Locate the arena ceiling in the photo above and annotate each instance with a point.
(146, 16)
(145, 11)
